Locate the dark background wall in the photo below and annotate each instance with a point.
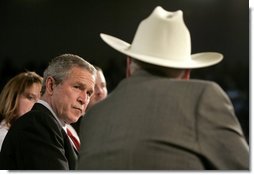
(32, 32)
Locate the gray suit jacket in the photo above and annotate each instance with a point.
(150, 122)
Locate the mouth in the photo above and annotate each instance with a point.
(77, 108)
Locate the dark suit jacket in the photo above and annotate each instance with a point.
(36, 141)
(149, 122)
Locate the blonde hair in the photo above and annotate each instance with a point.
(11, 92)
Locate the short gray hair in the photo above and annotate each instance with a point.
(60, 66)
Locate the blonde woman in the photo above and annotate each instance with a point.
(17, 97)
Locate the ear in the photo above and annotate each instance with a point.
(128, 67)
(186, 75)
(50, 84)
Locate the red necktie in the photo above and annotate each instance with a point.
(74, 139)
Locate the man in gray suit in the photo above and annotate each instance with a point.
(158, 119)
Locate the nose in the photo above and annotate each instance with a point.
(82, 98)
(98, 90)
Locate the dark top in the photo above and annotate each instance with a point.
(36, 141)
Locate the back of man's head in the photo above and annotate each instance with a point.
(157, 70)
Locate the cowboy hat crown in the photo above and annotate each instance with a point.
(163, 39)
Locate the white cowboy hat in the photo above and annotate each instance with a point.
(163, 39)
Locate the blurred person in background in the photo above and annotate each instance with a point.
(100, 93)
(17, 97)
(100, 90)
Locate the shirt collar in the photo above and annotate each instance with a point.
(44, 103)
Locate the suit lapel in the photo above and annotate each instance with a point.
(70, 152)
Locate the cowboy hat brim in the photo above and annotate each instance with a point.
(198, 60)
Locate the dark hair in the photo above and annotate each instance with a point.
(158, 70)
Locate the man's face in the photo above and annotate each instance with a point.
(70, 98)
(100, 91)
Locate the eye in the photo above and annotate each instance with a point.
(103, 85)
(89, 93)
(79, 87)
(76, 87)
(31, 97)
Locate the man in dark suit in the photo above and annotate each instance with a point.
(157, 118)
(39, 140)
